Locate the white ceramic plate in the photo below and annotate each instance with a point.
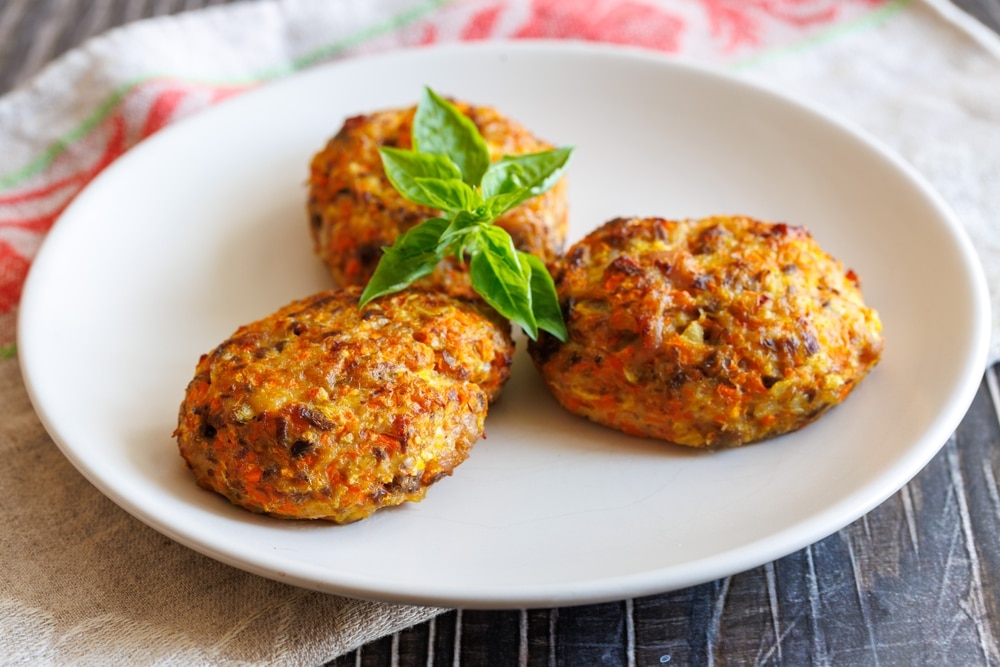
(202, 228)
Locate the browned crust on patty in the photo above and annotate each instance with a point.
(322, 410)
(720, 331)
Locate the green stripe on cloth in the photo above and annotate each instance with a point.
(8, 351)
(62, 144)
(872, 19)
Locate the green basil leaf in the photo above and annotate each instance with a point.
(441, 129)
(498, 276)
(544, 298)
(451, 194)
(512, 180)
(448, 165)
(404, 168)
(462, 235)
(414, 255)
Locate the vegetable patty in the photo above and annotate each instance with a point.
(325, 411)
(721, 331)
(354, 211)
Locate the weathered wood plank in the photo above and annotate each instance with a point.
(37, 34)
(974, 464)
(13, 40)
(540, 636)
(674, 628)
(96, 18)
(490, 638)
(591, 635)
(987, 11)
(413, 645)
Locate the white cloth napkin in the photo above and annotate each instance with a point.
(84, 583)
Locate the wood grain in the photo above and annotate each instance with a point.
(987, 11)
(914, 582)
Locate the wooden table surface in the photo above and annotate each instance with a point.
(914, 582)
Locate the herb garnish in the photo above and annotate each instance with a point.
(449, 169)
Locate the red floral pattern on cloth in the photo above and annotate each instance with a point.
(29, 209)
(632, 23)
(712, 30)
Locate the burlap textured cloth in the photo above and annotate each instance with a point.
(85, 583)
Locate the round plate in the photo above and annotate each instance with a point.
(203, 228)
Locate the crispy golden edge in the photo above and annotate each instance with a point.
(720, 331)
(322, 410)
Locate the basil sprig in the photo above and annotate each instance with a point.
(449, 169)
